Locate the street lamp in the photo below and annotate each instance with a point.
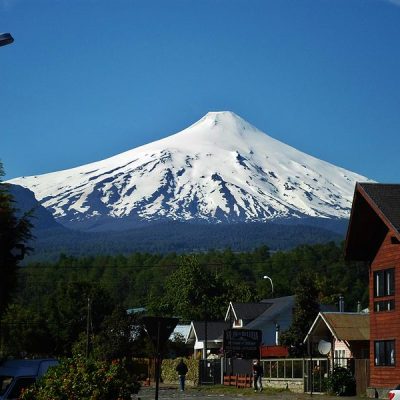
(272, 285)
(5, 38)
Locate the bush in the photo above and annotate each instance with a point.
(80, 379)
(341, 382)
(169, 374)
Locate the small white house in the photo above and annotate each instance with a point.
(215, 335)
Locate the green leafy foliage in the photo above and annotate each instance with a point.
(14, 232)
(120, 336)
(84, 379)
(67, 312)
(341, 382)
(195, 292)
(55, 295)
(305, 310)
(25, 332)
(169, 374)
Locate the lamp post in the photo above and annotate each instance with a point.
(5, 38)
(205, 350)
(272, 285)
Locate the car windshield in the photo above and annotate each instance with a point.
(5, 382)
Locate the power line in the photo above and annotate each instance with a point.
(177, 265)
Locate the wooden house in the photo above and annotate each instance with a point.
(346, 333)
(373, 236)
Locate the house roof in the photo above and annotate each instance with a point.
(343, 326)
(376, 206)
(215, 330)
(275, 307)
(249, 311)
(181, 330)
(387, 199)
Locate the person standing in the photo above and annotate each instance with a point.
(257, 375)
(182, 370)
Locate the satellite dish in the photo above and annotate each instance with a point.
(324, 347)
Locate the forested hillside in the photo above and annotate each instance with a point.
(184, 237)
(52, 299)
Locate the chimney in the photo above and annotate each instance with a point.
(277, 328)
(341, 303)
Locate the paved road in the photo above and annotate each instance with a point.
(172, 393)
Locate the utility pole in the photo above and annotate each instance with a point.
(159, 330)
(88, 327)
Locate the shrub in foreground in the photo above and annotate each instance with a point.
(342, 382)
(80, 379)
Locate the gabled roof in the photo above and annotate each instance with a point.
(248, 311)
(215, 330)
(342, 325)
(375, 211)
(275, 308)
(181, 330)
(387, 199)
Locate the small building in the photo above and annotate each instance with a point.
(271, 316)
(340, 336)
(215, 335)
(373, 237)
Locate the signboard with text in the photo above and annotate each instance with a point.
(242, 343)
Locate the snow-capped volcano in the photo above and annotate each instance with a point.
(219, 169)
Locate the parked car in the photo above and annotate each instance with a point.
(394, 394)
(16, 375)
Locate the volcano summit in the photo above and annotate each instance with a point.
(220, 169)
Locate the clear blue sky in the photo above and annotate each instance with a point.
(87, 79)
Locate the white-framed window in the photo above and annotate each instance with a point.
(384, 285)
(340, 358)
(385, 355)
(384, 282)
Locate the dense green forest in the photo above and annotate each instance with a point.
(52, 298)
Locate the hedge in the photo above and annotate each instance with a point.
(169, 374)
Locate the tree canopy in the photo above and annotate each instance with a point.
(190, 287)
(15, 232)
(305, 310)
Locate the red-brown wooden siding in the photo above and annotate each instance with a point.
(385, 325)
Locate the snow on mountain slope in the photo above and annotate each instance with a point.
(219, 169)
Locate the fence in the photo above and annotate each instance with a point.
(283, 368)
(299, 375)
(210, 372)
(316, 372)
(287, 373)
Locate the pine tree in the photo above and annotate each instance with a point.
(305, 310)
(15, 232)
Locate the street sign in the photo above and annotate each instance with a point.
(159, 329)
